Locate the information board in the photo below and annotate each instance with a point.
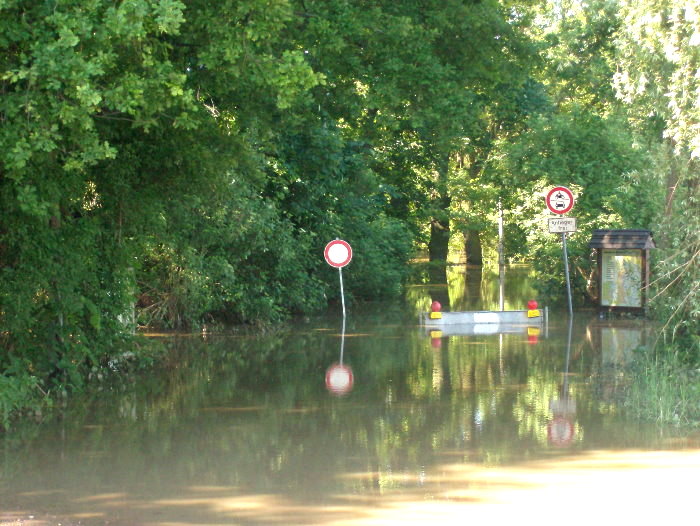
(621, 278)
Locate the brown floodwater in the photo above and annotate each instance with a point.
(369, 422)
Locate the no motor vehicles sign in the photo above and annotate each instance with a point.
(560, 200)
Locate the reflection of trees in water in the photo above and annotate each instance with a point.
(439, 291)
(476, 288)
(460, 287)
(253, 412)
(473, 287)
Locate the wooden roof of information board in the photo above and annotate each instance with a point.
(639, 239)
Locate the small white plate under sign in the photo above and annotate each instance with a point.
(562, 224)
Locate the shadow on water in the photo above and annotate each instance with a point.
(263, 430)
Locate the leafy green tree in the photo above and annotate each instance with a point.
(159, 155)
(595, 158)
(71, 73)
(576, 135)
(577, 45)
(411, 84)
(658, 50)
(114, 139)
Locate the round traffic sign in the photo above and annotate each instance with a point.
(560, 200)
(338, 253)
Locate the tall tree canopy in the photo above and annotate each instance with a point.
(659, 58)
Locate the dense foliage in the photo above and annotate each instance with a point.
(659, 54)
(177, 163)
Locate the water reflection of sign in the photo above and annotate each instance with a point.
(339, 379)
(563, 406)
(621, 278)
(560, 431)
(533, 335)
(436, 339)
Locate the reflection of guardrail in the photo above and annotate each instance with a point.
(483, 329)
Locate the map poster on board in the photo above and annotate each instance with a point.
(621, 278)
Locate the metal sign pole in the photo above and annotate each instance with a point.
(342, 295)
(338, 253)
(501, 260)
(566, 272)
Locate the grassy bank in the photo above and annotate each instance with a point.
(665, 387)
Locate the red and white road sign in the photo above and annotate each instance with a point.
(560, 200)
(339, 379)
(338, 253)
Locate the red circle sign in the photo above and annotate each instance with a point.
(339, 379)
(560, 200)
(338, 253)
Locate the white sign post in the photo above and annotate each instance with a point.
(559, 201)
(338, 253)
(339, 378)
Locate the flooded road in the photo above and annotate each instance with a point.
(379, 421)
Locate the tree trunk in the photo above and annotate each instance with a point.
(472, 243)
(473, 248)
(439, 240)
(440, 223)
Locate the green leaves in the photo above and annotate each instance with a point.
(73, 74)
(29, 202)
(659, 56)
(293, 76)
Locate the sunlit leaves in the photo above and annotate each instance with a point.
(659, 57)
